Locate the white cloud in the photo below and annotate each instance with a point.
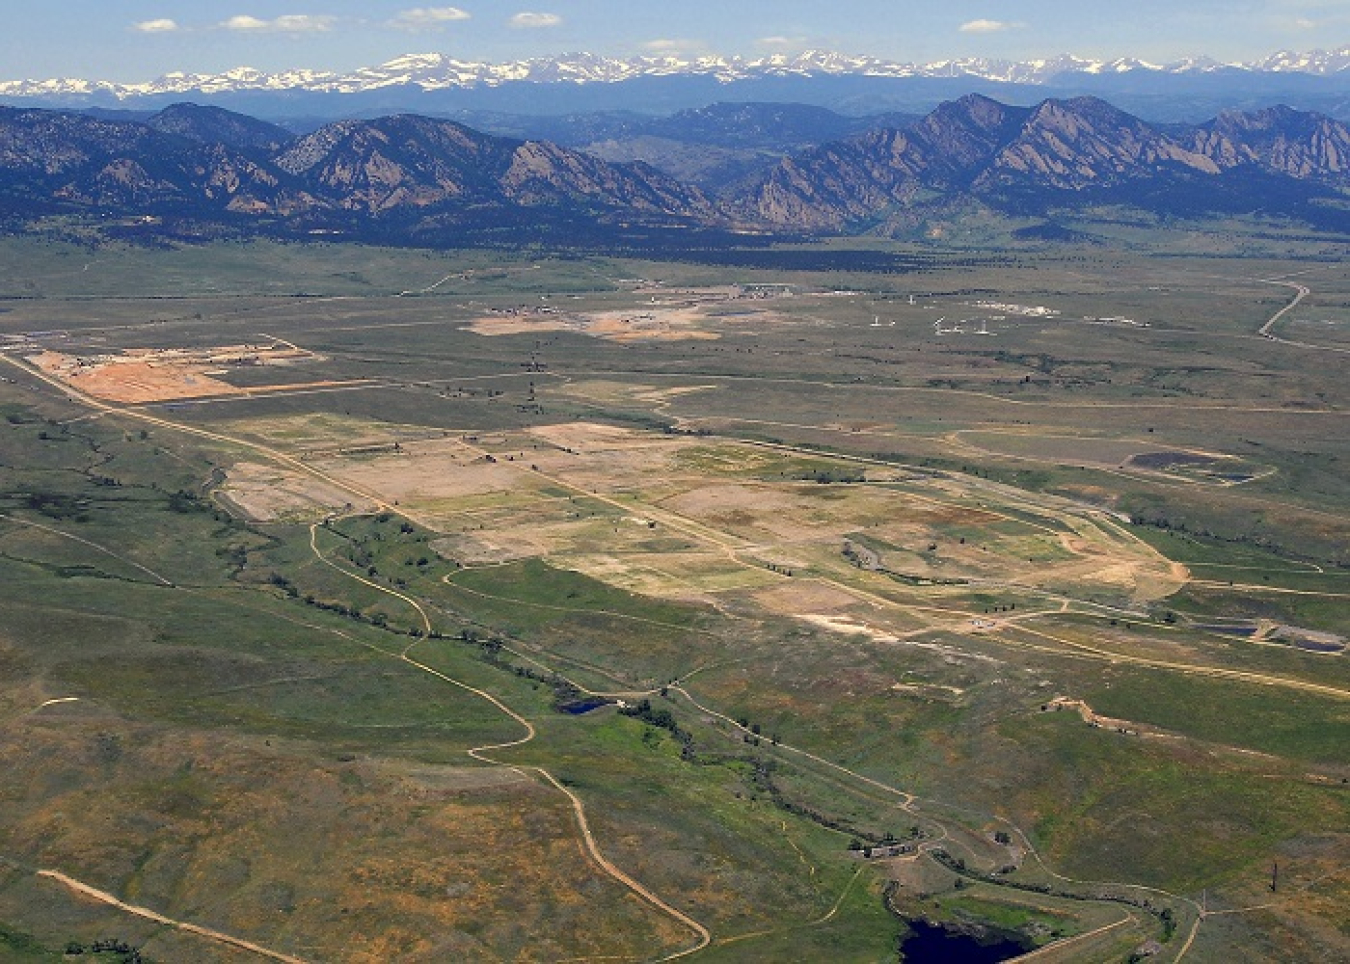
(528, 19)
(671, 46)
(985, 26)
(163, 25)
(780, 43)
(427, 18)
(244, 23)
(291, 23)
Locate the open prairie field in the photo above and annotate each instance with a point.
(371, 605)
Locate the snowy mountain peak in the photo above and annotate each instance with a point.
(439, 71)
(1320, 62)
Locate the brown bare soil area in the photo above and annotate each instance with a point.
(762, 511)
(437, 468)
(268, 493)
(587, 437)
(804, 595)
(493, 325)
(496, 499)
(491, 547)
(149, 375)
(692, 320)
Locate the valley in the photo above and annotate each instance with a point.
(371, 603)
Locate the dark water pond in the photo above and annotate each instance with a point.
(577, 707)
(1319, 647)
(1168, 460)
(935, 944)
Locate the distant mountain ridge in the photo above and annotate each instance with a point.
(437, 71)
(407, 177)
(215, 125)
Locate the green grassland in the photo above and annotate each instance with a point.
(265, 728)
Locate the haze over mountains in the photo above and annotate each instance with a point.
(436, 82)
(406, 177)
(436, 71)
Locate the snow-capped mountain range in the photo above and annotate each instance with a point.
(439, 72)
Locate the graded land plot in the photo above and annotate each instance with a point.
(140, 375)
(266, 492)
(637, 509)
(661, 315)
(438, 479)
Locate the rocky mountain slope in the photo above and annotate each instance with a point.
(1059, 152)
(50, 158)
(388, 166)
(406, 173)
(417, 162)
(1278, 140)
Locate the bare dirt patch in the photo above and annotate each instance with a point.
(604, 459)
(697, 317)
(507, 324)
(268, 493)
(140, 375)
(659, 525)
(848, 626)
(490, 548)
(582, 437)
(764, 511)
(791, 597)
(604, 390)
(439, 477)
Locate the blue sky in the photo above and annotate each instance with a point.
(130, 40)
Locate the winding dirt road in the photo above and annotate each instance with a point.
(103, 897)
(478, 753)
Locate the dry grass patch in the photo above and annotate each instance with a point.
(268, 493)
(362, 861)
(319, 432)
(1068, 449)
(688, 576)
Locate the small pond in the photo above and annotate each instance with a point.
(577, 707)
(934, 944)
